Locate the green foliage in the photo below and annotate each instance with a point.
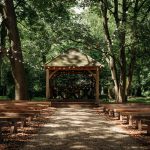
(139, 100)
(3, 98)
(49, 28)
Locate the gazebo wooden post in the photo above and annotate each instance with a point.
(47, 84)
(97, 85)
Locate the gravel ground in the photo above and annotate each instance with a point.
(82, 129)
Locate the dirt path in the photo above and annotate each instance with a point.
(81, 129)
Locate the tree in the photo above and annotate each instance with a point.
(125, 15)
(13, 51)
(119, 81)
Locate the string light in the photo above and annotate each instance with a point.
(41, 67)
(34, 54)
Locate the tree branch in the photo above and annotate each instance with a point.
(141, 5)
(146, 14)
(106, 4)
(116, 12)
(19, 2)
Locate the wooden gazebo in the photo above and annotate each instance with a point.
(73, 60)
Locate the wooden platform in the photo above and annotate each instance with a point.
(73, 104)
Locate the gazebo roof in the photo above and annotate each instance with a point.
(73, 57)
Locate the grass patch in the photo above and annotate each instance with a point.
(2, 98)
(38, 99)
(139, 100)
(145, 100)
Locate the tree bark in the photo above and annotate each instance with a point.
(15, 52)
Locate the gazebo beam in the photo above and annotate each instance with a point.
(71, 68)
(97, 85)
(47, 84)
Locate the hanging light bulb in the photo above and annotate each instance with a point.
(34, 54)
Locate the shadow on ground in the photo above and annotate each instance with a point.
(84, 129)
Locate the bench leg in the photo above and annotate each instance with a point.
(23, 123)
(127, 119)
(121, 117)
(136, 124)
(1, 139)
(110, 113)
(115, 114)
(130, 120)
(13, 128)
(148, 129)
(30, 119)
(104, 109)
(139, 125)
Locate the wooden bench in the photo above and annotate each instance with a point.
(121, 111)
(147, 122)
(26, 103)
(12, 111)
(115, 109)
(109, 108)
(13, 122)
(32, 105)
(142, 119)
(140, 113)
(131, 115)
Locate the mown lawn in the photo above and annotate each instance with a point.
(139, 100)
(3, 98)
(145, 100)
(130, 100)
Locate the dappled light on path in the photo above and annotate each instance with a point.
(81, 128)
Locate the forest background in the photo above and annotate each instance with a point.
(113, 32)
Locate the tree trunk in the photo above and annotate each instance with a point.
(15, 52)
(122, 35)
(130, 71)
(133, 47)
(114, 77)
(119, 83)
(111, 60)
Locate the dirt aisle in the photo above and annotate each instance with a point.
(81, 129)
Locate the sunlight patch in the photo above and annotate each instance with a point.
(52, 125)
(79, 147)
